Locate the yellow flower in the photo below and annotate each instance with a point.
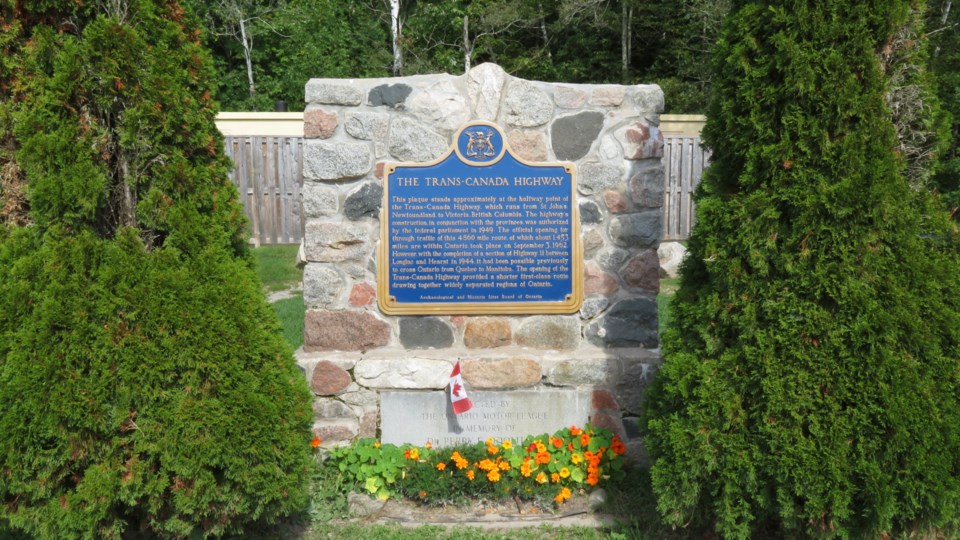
(576, 459)
(541, 477)
(563, 495)
(507, 445)
(489, 441)
(376, 444)
(564, 472)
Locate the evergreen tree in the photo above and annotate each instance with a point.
(145, 389)
(810, 380)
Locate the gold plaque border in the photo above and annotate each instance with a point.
(389, 305)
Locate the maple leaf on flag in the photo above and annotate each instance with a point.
(458, 394)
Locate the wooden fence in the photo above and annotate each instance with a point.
(683, 160)
(268, 172)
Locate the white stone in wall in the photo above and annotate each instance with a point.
(324, 91)
(410, 140)
(319, 200)
(441, 105)
(322, 286)
(649, 99)
(326, 160)
(406, 372)
(526, 105)
(485, 88)
(671, 255)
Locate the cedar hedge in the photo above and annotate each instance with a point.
(810, 381)
(145, 389)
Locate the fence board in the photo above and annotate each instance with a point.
(267, 173)
(683, 160)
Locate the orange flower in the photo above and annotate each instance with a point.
(315, 442)
(441, 466)
(422, 494)
(428, 446)
(471, 474)
(574, 430)
(592, 479)
(543, 458)
(554, 478)
(556, 442)
(570, 446)
(617, 446)
(504, 465)
(493, 475)
(413, 453)
(487, 465)
(491, 449)
(525, 469)
(541, 447)
(588, 455)
(563, 495)
(584, 439)
(541, 477)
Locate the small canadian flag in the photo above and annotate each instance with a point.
(458, 394)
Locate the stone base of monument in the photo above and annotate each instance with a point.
(579, 511)
(399, 396)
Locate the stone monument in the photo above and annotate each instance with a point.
(378, 365)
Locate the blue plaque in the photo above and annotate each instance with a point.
(480, 231)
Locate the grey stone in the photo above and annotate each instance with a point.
(597, 499)
(610, 150)
(320, 91)
(410, 140)
(593, 306)
(643, 271)
(647, 183)
(485, 87)
(367, 126)
(640, 230)
(389, 95)
(636, 454)
(549, 332)
(629, 323)
(631, 427)
(361, 398)
(425, 333)
(331, 432)
(327, 160)
(328, 408)
(361, 505)
(418, 417)
(632, 384)
(590, 212)
(408, 372)
(671, 255)
(597, 177)
(319, 200)
(363, 201)
(499, 373)
(649, 98)
(442, 106)
(322, 286)
(336, 242)
(592, 242)
(572, 136)
(611, 257)
(526, 105)
(588, 371)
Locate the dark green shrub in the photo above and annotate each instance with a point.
(810, 382)
(145, 389)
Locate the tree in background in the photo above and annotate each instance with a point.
(943, 27)
(145, 389)
(810, 381)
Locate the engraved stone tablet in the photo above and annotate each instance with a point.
(418, 417)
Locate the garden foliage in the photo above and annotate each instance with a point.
(810, 383)
(545, 468)
(145, 389)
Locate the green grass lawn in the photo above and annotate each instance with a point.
(277, 266)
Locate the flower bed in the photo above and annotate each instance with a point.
(545, 468)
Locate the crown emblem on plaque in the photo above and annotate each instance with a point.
(480, 143)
